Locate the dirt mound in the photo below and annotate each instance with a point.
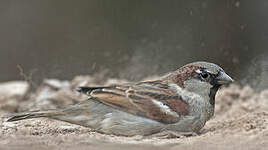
(240, 120)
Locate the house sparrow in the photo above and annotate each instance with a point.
(178, 103)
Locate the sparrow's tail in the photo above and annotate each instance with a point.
(34, 114)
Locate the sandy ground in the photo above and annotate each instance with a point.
(240, 121)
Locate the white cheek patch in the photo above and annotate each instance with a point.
(164, 108)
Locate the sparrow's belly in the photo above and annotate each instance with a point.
(187, 124)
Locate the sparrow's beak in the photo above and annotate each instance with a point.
(223, 78)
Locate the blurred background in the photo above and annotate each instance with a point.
(132, 39)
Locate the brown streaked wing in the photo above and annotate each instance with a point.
(141, 99)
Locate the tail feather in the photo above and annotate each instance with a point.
(31, 114)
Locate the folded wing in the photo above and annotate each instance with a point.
(149, 99)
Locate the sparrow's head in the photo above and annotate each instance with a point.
(202, 78)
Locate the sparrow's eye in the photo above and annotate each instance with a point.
(204, 74)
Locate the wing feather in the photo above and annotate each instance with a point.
(150, 99)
